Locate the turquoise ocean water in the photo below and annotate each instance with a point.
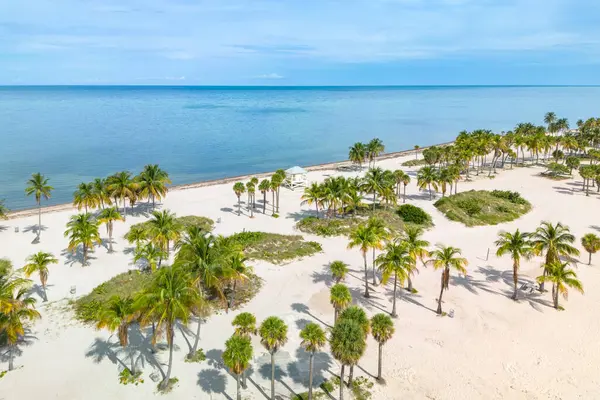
(73, 134)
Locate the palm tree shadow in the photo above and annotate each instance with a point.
(298, 370)
(23, 341)
(231, 210)
(411, 299)
(212, 381)
(368, 302)
(214, 358)
(103, 349)
(34, 228)
(300, 215)
(3, 228)
(185, 332)
(140, 210)
(265, 372)
(76, 257)
(38, 290)
(304, 309)
(323, 276)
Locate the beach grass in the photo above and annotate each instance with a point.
(414, 163)
(481, 207)
(273, 247)
(204, 223)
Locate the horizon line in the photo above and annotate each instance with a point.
(292, 86)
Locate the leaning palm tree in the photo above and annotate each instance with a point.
(374, 148)
(313, 339)
(236, 271)
(364, 238)
(121, 186)
(39, 263)
(562, 278)
(152, 183)
(339, 269)
(273, 335)
(237, 356)
(357, 154)
(447, 258)
(382, 329)
(85, 196)
(251, 189)
(517, 245)
(38, 186)
(264, 187)
(427, 178)
(591, 244)
(555, 241)
(82, 230)
(395, 261)
(238, 189)
(340, 298)
(348, 344)
(312, 195)
(118, 315)
(108, 216)
(163, 228)
(417, 248)
(13, 319)
(170, 297)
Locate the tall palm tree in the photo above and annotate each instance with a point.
(245, 326)
(238, 189)
(149, 252)
(137, 234)
(273, 335)
(382, 329)
(591, 244)
(348, 344)
(108, 216)
(427, 178)
(395, 261)
(446, 258)
(82, 230)
(121, 186)
(170, 297)
(374, 148)
(236, 271)
(417, 248)
(562, 278)
(381, 234)
(118, 315)
(357, 154)
(340, 298)
(85, 196)
(518, 245)
(163, 228)
(152, 183)
(373, 182)
(39, 263)
(358, 315)
(276, 182)
(237, 356)
(251, 189)
(14, 317)
(313, 340)
(555, 241)
(339, 269)
(264, 187)
(312, 195)
(101, 192)
(364, 238)
(38, 186)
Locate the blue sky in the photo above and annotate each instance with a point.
(299, 42)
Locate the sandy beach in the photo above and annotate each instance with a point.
(492, 348)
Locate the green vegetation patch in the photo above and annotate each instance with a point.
(480, 207)
(273, 247)
(411, 214)
(414, 163)
(204, 223)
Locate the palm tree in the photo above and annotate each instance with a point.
(244, 324)
(427, 178)
(517, 245)
(3, 210)
(313, 340)
(108, 216)
(417, 248)
(358, 315)
(373, 182)
(264, 187)
(555, 241)
(416, 147)
(348, 344)
(357, 154)
(364, 238)
(170, 297)
(237, 356)
(447, 257)
(117, 315)
(251, 188)
(149, 252)
(383, 329)
(587, 172)
(18, 310)
(591, 244)
(137, 234)
(340, 298)
(273, 335)
(312, 195)
(39, 263)
(85, 196)
(163, 228)
(121, 186)
(237, 270)
(38, 186)
(381, 234)
(152, 182)
(82, 230)
(374, 148)
(395, 261)
(562, 278)
(238, 189)
(339, 269)
(276, 182)
(101, 191)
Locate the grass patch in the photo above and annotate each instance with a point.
(411, 214)
(170, 386)
(127, 378)
(273, 247)
(414, 163)
(204, 223)
(199, 356)
(480, 207)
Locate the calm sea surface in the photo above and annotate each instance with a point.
(74, 134)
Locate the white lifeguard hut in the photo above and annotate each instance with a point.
(295, 177)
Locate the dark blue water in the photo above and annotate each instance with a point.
(73, 134)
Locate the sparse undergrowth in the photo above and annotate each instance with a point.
(273, 247)
(127, 378)
(199, 356)
(480, 207)
(204, 223)
(414, 163)
(170, 386)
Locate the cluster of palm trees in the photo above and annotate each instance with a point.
(555, 243)
(366, 152)
(151, 184)
(341, 196)
(272, 185)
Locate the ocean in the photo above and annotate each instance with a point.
(74, 134)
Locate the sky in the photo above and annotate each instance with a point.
(299, 42)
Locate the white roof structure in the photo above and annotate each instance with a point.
(295, 177)
(295, 171)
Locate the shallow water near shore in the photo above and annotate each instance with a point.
(74, 134)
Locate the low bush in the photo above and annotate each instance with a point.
(513, 197)
(273, 247)
(414, 163)
(414, 215)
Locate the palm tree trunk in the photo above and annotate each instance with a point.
(46, 296)
(555, 290)
(404, 199)
(374, 274)
(239, 206)
(231, 303)
(342, 383)
(590, 259)
(439, 309)
(394, 298)
(85, 250)
(374, 198)
(277, 200)
(310, 375)
(110, 242)
(272, 375)
(350, 376)
(317, 208)
(430, 194)
(197, 339)
(366, 275)
(39, 232)
(379, 363)
(11, 357)
(515, 278)
(239, 394)
(264, 202)
(273, 202)
(165, 381)
(410, 285)
(541, 288)
(335, 315)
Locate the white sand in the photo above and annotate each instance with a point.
(492, 348)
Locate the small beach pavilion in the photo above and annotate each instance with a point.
(295, 177)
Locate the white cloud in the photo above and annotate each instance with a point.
(272, 75)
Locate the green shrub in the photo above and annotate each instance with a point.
(414, 215)
(414, 163)
(470, 206)
(513, 197)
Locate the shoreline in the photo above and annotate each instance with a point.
(27, 212)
